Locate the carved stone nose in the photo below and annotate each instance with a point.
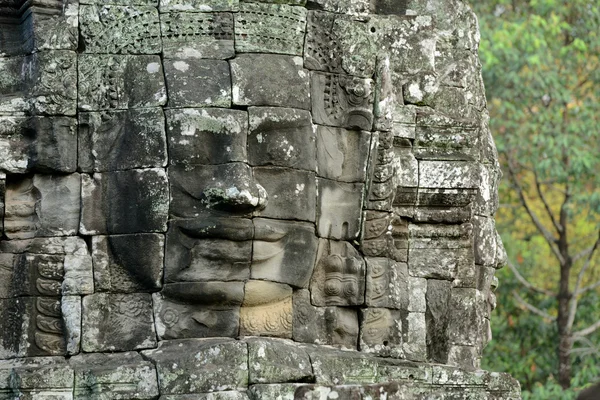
(235, 190)
(247, 196)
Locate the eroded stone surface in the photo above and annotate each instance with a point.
(117, 322)
(42, 205)
(124, 202)
(199, 365)
(110, 140)
(95, 376)
(270, 80)
(128, 263)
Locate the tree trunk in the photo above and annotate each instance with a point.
(565, 342)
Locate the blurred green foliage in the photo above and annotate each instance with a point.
(541, 68)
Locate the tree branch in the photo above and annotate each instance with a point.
(526, 283)
(583, 253)
(589, 330)
(588, 288)
(585, 267)
(538, 186)
(532, 308)
(551, 240)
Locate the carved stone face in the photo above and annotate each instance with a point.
(322, 174)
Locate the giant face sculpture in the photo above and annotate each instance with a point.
(324, 175)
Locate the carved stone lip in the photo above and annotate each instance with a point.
(269, 233)
(269, 242)
(264, 251)
(234, 229)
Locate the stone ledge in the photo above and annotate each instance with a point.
(215, 369)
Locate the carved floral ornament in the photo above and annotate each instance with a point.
(198, 172)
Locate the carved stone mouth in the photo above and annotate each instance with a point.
(234, 229)
(268, 233)
(266, 250)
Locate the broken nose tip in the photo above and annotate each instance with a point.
(236, 199)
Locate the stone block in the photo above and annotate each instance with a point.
(132, 201)
(339, 209)
(342, 101)
(136, 81)
(281, 137)
(208, 249)
(394, 390)
(484, 239)
(226, 395)
(417, 287)
(486, 202)
(117, 322)
(53, 83)
(283, 251)
(384, 235)
(39, 83)
(38, 144)
(466, 357)
(339, 276)
(128, 263)
(34, 378)
(196, 35)
(387, 284)
(347, 368)
(13, 87)
(124, 139)
(333, 326)
(71, 313)
(408, 173)
(120, 376)
(448, 175)
(53, 32)
(466, 307)
(381, 332)
(342, 155)
(443, 138)
(42, 205)
(207, 136)
(266, 309)
(414, 332)
(270, 28)
(198, 310)
(29, 274)
(275, 361)
(152, 3)
(50, 245)
(206, 189)
(437, 316)
(198, 365)
(440, 252)
(195, 6)
(270, 80)
(360, 7)
(2, 201)
(198, 83)
(292, 193)
(113, 29)
(340, 44)
(31, 326)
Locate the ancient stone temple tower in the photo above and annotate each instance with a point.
(245, 199)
